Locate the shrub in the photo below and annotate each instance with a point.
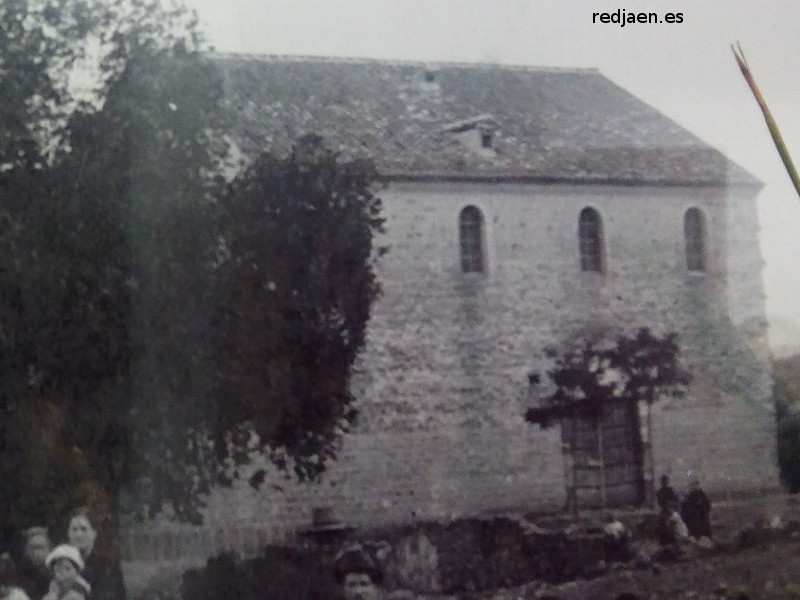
(789, 449)
(278, 573)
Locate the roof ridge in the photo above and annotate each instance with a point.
(398, 62)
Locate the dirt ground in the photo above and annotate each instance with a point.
(770, 570)
(771, 573)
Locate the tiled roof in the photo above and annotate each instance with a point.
(549, 124)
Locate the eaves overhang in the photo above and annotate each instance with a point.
(524, 178)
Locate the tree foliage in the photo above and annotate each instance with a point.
(157, 138)
(596, 372)
(72, 176)
(62, 57)
(38, 43)
(159, 326)
(787, 405)
(295, 289)
(64, 345)
(271, 329)
(788, 431)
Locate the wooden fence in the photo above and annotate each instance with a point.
(179, 543)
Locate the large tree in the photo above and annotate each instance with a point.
(159, 326)
(268, 328)
(296, 285)
(75, 170)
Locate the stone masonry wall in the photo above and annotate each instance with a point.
(745, 285)
(398, 476)
(443, 380)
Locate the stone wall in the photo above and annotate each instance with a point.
(443, 381)
(400, 476)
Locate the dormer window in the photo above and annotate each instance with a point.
(478, 133)
(428, 81)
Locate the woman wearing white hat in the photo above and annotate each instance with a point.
(65, 563)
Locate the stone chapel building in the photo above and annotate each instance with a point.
(524, 205)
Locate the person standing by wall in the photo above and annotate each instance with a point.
(666, 496)
(696, 511)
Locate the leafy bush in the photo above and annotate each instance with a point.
(279, 573)
(474, 554)
(789, 450)
(787, 395)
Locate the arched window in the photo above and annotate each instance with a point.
(694, 234)
(470, 226)
(590, 235)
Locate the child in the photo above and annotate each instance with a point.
(66, 564)
(671, 532)
(616, 539)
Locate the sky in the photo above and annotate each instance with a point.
(686, 70)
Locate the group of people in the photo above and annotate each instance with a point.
(74, 570)
(679, 520)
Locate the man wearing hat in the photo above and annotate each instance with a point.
(65, 563)
(33, 574)
(358, 571)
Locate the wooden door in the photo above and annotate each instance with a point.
(604, 459)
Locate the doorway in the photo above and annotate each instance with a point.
(605, 460)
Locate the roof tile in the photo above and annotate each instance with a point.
(552, 124)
